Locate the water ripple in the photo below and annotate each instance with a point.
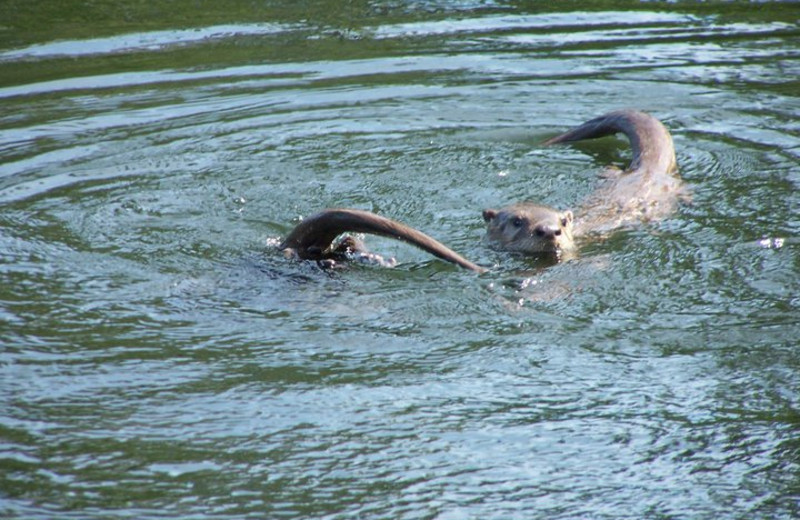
(154, 41)
(161, 358)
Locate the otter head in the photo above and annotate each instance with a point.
(529, 228)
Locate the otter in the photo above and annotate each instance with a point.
(313, 238)
(649, 189)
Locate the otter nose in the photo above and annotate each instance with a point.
(544, 231)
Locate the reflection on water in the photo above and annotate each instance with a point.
(159, 358)
(146, 41)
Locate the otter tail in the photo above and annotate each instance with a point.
(650, 140)
(314, 236)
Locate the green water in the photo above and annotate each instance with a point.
(160, 359)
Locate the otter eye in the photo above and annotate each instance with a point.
(564, 222)
(517, 222)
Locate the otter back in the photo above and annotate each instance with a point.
(649, 189)
(313, 238)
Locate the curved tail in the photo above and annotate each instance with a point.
(312, 238)
(650, 140)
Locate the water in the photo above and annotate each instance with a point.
(161, 360)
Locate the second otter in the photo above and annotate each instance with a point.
(649, 189)
(313, 238)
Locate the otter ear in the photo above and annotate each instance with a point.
(489, 214)
(567, 217)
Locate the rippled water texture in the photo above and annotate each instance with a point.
(160, 359)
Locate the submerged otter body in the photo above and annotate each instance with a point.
(313, 238)
(649, 189)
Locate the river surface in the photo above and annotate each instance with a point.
(159, 358)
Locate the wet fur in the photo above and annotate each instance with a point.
(313, 238)
(649, 189)
(529, 228)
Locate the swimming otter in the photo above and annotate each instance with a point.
(649, 189)
(313, 238)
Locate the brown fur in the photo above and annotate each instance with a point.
(529, 228)
(313, 238)
(649, 189)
